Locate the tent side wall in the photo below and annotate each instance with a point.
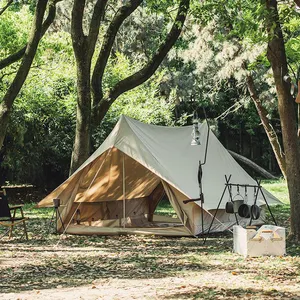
(68, 191)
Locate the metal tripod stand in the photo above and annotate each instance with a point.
(56, 214)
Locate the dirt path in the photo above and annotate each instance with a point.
(140, 267)
(197, 287)
(218, 282)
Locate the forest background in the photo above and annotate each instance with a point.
(220, 46)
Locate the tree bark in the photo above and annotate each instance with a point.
(259, 170)
(81, 148)
(23, 70)
(277, 58)
(84, 47)
(83, 65)
(272, 136)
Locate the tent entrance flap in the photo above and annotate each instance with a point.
(138, 212)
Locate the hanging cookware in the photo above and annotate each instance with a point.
(244, 209)
(229, 207)
(255, 212)
(229, 204)
(255, 209)
(233, 205)
(236, 204)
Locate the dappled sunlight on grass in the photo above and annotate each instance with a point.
(165, 268)
(278, 188)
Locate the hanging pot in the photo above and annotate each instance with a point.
(229, 207)
(255, 212)
(244, 211)
(237, 204)
(233, 206)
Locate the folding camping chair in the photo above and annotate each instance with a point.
(8, 216)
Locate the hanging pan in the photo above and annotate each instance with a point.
(255, 212)
(255, 209)
(244, 211)
(233, 205)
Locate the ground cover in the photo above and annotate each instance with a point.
(49, 266)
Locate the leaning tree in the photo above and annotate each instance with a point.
(276, 55)
(26, 54)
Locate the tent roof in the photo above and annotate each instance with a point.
(167, 152)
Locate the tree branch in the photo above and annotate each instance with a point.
(148, 70)
(77, 33)
(297, 2)
(17, 83)
(97, 17)
(4, 8)
(7, 74)
(261, 171)
(263, 114)
(107, 45)
(19, 54)
(31, 48)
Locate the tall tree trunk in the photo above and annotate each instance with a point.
(84, 47)
(16, 85)
(81, 148)
(272, 136)
(277, 57)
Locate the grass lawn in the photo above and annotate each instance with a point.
(142, 267)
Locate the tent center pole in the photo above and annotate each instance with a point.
(124, 193)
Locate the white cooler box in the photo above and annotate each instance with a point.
(268, 240)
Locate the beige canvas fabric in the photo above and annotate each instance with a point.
(122, 182)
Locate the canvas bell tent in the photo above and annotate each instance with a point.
(118, 188)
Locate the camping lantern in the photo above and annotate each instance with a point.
(196, 132)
